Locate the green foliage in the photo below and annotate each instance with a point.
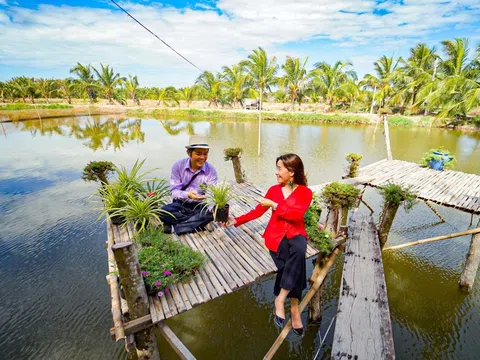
(320, 238)
(164, 261)
(113, 196)
(396, 195)
(141, 211)
(134, 179)
(354, 160)
(429, 155)
(98, 171)
(218, 195)
(338, 195)
(31, 107)
(232, 152)
(400, 121)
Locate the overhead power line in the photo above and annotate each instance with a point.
(151, 32)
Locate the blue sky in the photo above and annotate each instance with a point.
(47, 38)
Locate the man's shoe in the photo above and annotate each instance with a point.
(167, 229)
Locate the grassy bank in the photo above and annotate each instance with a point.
(19, 112)
(221, 115)
(33, 107)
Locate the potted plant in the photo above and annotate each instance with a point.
(438, 159)
(217, 197)
(114, 199)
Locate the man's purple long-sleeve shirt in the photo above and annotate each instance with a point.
(182, 173)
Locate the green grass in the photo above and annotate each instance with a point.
(400, 121)
(31, 107)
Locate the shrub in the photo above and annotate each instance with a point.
(354, 160)
(396, 195)
(98, 171)
(320, 238)
(164, 261)
(338, 195)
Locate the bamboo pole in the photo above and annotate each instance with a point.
(435, 211)
(387, 138)
(436, 238)
(322, 273)
(260, 121)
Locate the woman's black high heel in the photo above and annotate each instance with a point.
(277, 320)
(298, 331)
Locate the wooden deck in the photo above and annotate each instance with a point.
(450, 188)
(236, 257)
(363, 328)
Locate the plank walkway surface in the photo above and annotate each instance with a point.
(236, 257)
(363, 328)
(450, 188)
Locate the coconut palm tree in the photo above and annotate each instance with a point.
(108, 81)
(458, 89)
(261, 71)
(45, 88)
(236, 84)
(187, 94)
(333, 81)
(85, 83)
(210, 85)
(167, 96)
(66, 87)
(24, 88)
(295, 79)
(131, 86)
(386, 69)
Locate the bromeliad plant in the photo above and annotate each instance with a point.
(134, 198)
(217, 197)
(164, 262)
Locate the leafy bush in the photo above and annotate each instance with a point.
(98, 171)
(396, 195)
(320, 238)
(338, 195)
(164, 261)
(231, 152)
(400, 121)
(354, 160)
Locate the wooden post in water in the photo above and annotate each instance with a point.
(333, 225)
(136, 296)
(387, 137)
(471, 265)
(234, 155)
(386, 221)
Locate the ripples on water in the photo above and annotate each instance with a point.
(54, 299)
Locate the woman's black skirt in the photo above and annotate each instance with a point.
(290, 262)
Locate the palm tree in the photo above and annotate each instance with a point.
(261, 71)
(45, 88)
(187, 94)
(85, 83)
(458, 89)
(210, 86)
(66, 87)
(296, 79)
(386, 69)
(24, 87)
(167, 96)
(108, 81)
(333, 81)
(236, 84)
(131, 86)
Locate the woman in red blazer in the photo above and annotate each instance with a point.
(285, 235)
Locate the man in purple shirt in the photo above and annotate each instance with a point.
(187, 175)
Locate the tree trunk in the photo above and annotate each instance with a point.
(471, 265)
(136, 296)
(386, 221)
(332, 225)
(237, 169)
(260, 121)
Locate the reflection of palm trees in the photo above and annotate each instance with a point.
(42, 127)
(93, 131)
(175, 127)
(136, 132)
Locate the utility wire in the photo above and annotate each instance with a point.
(151, 32)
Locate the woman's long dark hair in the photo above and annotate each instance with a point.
(294, 164)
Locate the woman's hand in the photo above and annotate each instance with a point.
(266, 202)
(231, 221)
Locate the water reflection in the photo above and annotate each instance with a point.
(53, 261)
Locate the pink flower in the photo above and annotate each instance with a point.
(320, 227)
(144, 273)
(160, 293)
(158, 283)
(150, 194)
(166, 291)
(166, 272)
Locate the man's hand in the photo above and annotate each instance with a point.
(194, 196)
(266, 202)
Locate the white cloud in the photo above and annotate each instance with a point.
(56, 37)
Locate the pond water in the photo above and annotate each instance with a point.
(54, 299)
